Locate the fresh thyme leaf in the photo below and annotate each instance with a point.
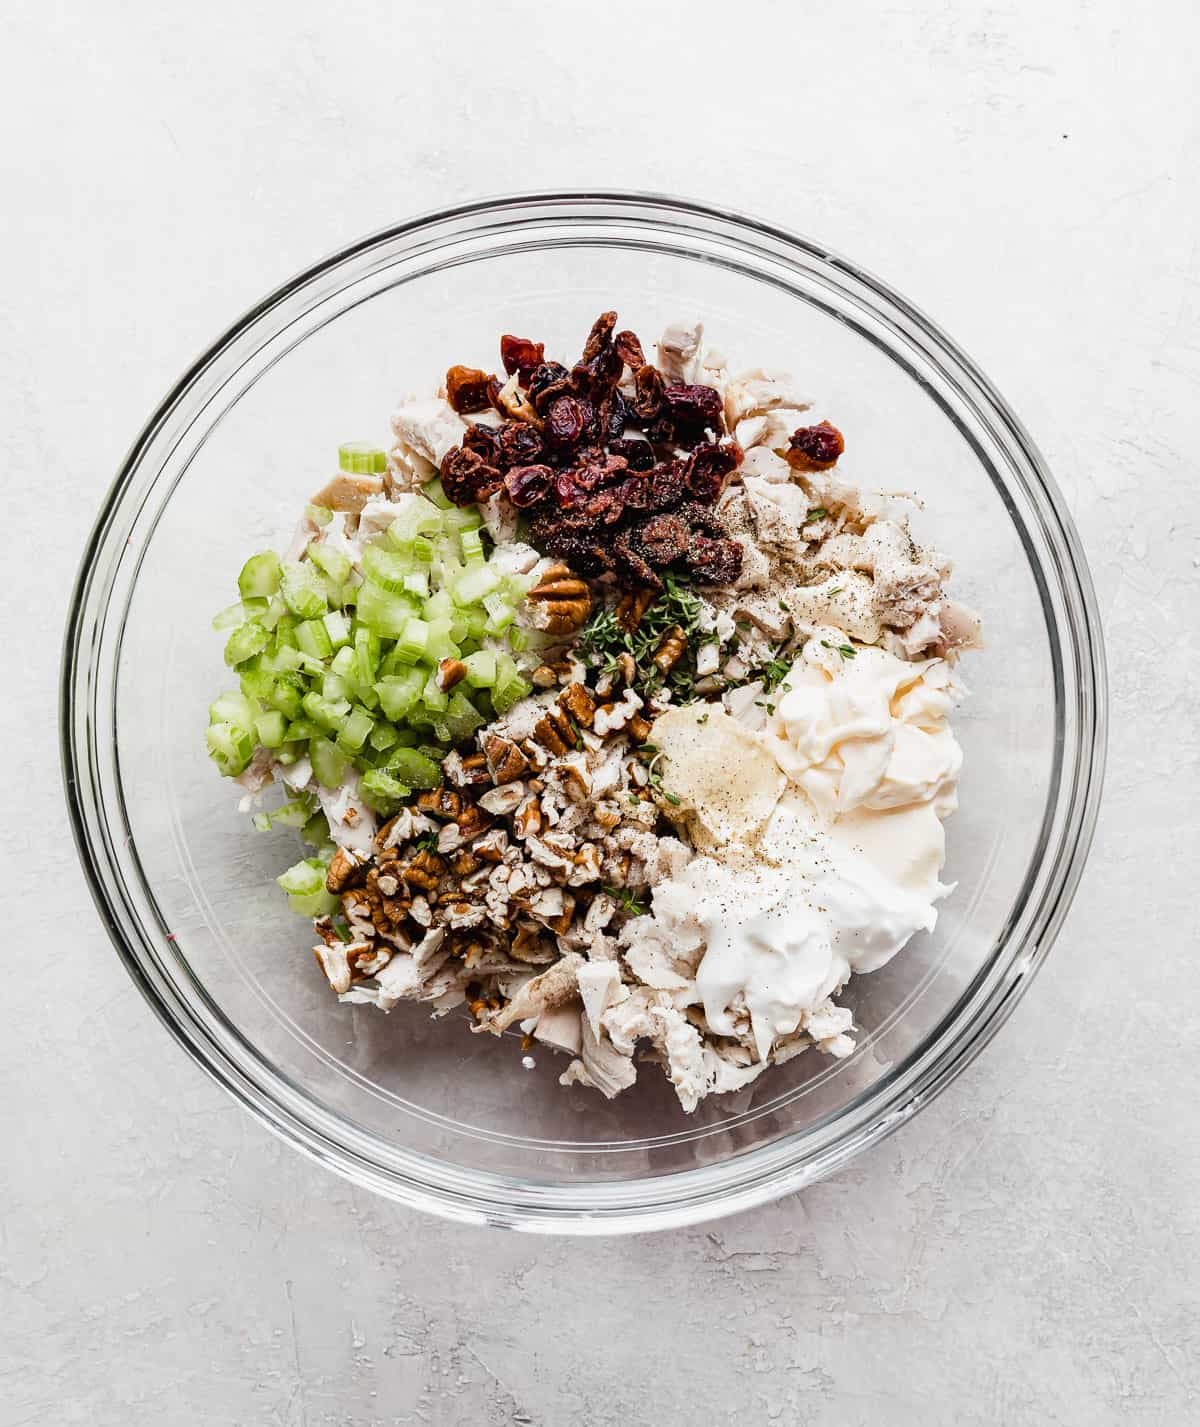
(427, 842)
(847, 651)
(837, 589)
(819, 513)
(626, 900)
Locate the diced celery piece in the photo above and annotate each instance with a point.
(314, 904)
(415, 768)
(518, 639)
(271, 728)
(366, 655)
(293, 814)
(348, 594)
(231, 616)
(510, 688)
(316, 829)
(302, 730)
(230, 747)
(244, 643)
(318, 514)
(439, 645)
(303, 590)
(475, 585)
(255, 677)
(353, 732)
(462, 718)
(472, 547)
(344, 665)
(434, 698)
(329, 561)
(417, 584)
(382, 611)
(461, 518)
(516, 587)
(434, 492)
(302, 877)
(422, 549)
(413, 641)
(500, 614)
(313, 638)
(418, 517)
(335, 688)
(439, 605)
(362, 458)
(328, 761)
(324, 712)
(337, 626)
(386, 568)
(383, 736)
(399, 693)
(233, 708)
(381, 791)
(274, 612)
(260, 575)
(288, 754)
(481, 669)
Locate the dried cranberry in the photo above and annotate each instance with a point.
(667, 486)
(707, 468)
(661, 431)
(661, 539)
(484, 441)
(638, 453)
(520, 444)
(467, 477)
(519, 354)
(714, 562)
(701, 519)
(565, 419)
(635, 492)
(647, 399)
(467, 388)
(629, 349)
(694, 409)
(600, 337)
(551, 379)
(568, 492)
(815, 448)
(614, 413)
(599, 469)
(528, 485)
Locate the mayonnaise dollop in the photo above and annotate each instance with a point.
(821, 834)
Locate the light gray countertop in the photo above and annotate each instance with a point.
(1026, 1250)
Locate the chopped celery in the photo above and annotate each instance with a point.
(316, 829)
(481, 669)
(383, 612)
(285, 697)
(302, 730)
(510, 688)
(230, 747)
(232, 615)
(417, 518)
(330, 562)
(439, 645)
(477, 583)
(313, 638)
(439, 605)
(344, 665)
(335, 688)
(271, 728)
(462, 718)
(313, 904)
(348, 595)
(262, 822)
(381, 791)
(500, 614)
(361, 458)
(399, 693)
(413, 641)
(288, 754)
(244, 643)
(386, 568)
(433, 697)
(518, 639)
(366, 655)
(293, 814)
(303, 590)
(328, 761)
(233, 708)
(353, 732)
(461, 518)
(472, 547)
(434, 492)
(414, 768)
(337, 626)
(260, 575)
(382, 737)
(417, 584)
(307, 875)
(255, 677)
(318, 514)
(324, 712)
(274, 612)
(422, 550)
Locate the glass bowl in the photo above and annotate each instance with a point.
(423, 1111)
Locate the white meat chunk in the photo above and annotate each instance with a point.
(430, 428)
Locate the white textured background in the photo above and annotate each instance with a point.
(1026, 1251)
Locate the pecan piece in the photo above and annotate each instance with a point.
(639, 728)
(554, 732)
(345, 870)
(473, 822)
(505, 760)
(425, 871)
(671, 649)
(543, 677)
(450, 672)
(443, 802)
(632, 607)
(561, 601)
(576, 701)
(464, 772)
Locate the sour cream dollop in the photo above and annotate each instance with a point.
(821, 834)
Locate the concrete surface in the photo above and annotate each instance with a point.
(1026, 1251)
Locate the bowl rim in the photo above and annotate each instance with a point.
(699, 1193)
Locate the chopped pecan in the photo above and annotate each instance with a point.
(450, 672)
(555, 732)
(345, 870)
(672, 647)
(465, 772)
(505, 760)
(633, 606)
(425, 871)
(504, 799)
(473, 822)
(639, 728)
(576, 701)
(491, 847)
(527, 821)
(626, 667)
(561, 601)
(443, 802)
(543, 677)
(463, 863)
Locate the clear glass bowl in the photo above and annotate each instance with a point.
(423, 1111)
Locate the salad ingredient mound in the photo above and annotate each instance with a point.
(610, 709)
